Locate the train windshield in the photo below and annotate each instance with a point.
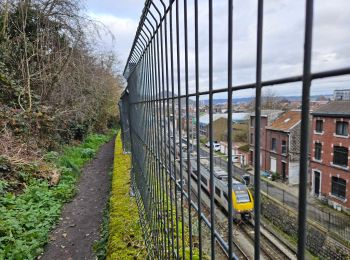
(241, 194)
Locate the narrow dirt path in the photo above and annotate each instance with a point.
(79, 227)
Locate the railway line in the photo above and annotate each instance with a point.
(243, 243)
(267, 246)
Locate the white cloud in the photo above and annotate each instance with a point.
(123, 30)
(282, 43)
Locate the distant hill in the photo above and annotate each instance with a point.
(249, 99)
(183, 100)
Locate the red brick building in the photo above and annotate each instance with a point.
(267, 117)
(283, 145)
(329, 164)
(280, 144)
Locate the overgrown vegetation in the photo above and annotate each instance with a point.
(27, 218)
(125, 238)
(55, 86)
(240, 133)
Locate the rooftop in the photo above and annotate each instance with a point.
(287, 121)
(334, 108)
(268, 112)
(236, 117)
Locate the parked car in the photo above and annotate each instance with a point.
(214, 142)
(217, 147)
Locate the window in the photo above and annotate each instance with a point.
(284, 147)
(338, 187)
(225, 195)
(319, 126)
(242, 196)
(252, 120)
(217, 191)
(204, 180)
(318, 151)
(273, 144)
(340, 156)
(251, 138)
(342, 128)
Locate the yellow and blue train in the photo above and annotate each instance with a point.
(242, 198)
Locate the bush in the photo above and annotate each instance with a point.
(27, 218)
(275, 176)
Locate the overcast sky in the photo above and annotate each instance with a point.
(282, 42)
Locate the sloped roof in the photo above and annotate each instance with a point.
(286, 121)
(236, 117)
(335, 108)
(270, 114)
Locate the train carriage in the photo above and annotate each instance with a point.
(242, 198)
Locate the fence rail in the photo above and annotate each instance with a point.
(162, 76)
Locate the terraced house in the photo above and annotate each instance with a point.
(283, 145)
(280, 144)
(330, 153)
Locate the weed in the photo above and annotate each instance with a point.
(26, 219)
(3, 186)
(100, 247)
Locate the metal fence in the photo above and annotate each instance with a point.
(124, 121)
(158, 103)
(332, 221)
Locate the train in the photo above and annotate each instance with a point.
(242, 198)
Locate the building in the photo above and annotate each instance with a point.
(280, 144)
(341, 94)
(220, 108)
(240, 152)
(220, 124)
(283, 146)
(267, 117)
(329, 162)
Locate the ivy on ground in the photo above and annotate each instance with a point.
(27, 218)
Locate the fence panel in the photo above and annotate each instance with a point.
(155, 112)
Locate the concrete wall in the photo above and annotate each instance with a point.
(293, 173)
(294, 143)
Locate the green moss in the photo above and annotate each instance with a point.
(125, 235)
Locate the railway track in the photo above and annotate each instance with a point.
(269, 249)
(239, 252)
(267, 246)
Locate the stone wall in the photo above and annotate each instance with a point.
(317, 242)
(294, 143)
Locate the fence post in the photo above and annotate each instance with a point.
(283, 196)
(329, 220)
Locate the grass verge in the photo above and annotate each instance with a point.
(125, 236)
(26, 219)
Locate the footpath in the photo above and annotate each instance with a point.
(79, 226)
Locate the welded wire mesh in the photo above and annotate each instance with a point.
(160, 122)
